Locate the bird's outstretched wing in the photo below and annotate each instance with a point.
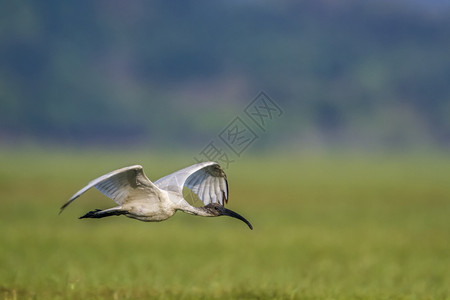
(206, 179)
(122, 185)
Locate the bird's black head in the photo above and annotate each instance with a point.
(216, 209)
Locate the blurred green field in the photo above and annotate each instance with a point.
(326, 227)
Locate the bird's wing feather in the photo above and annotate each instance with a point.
(207, 180)
(122, 185)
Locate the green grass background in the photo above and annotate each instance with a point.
(326, 227)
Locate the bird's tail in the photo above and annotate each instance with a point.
(98, 213)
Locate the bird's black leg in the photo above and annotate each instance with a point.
(98, 213)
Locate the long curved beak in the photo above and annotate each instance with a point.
(230, 213)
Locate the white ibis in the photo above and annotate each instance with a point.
(141, 199)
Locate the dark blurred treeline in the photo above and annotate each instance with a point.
(352, 73)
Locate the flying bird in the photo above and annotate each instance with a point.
(139, 198)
